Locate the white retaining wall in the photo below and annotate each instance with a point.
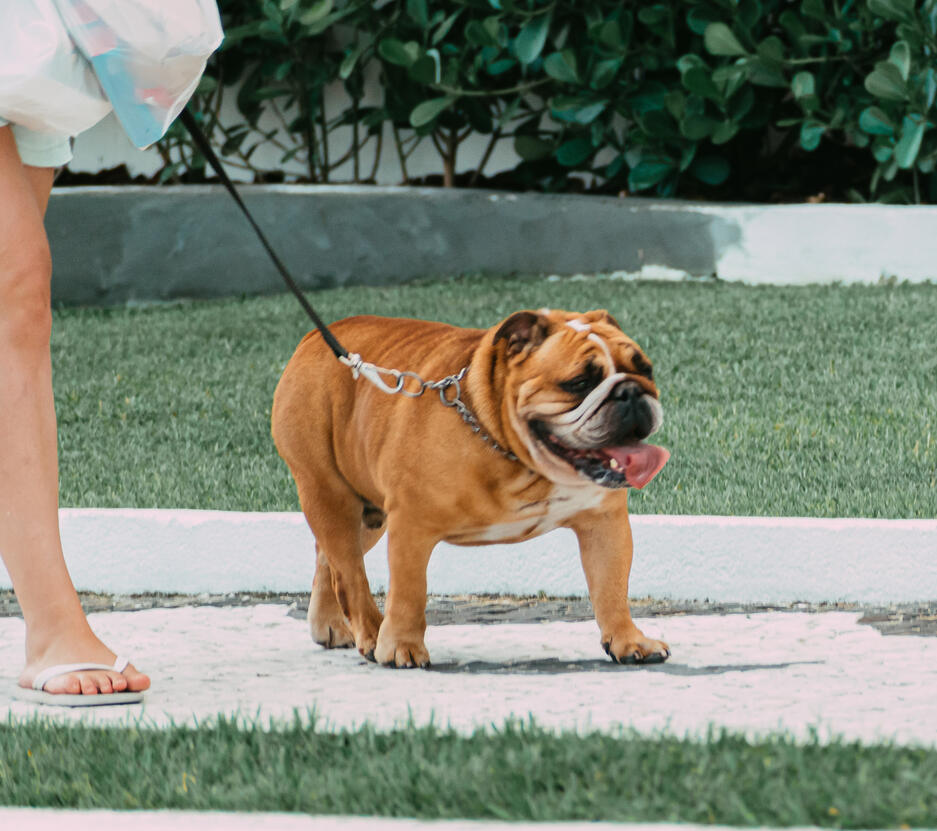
(730, 559)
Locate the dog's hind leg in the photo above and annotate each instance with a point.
(341, 608)
(327, 622)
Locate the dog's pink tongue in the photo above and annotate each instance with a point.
(641, 462)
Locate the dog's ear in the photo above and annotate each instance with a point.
(522, 330)
(602, 315)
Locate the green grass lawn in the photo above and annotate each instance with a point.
(818, 401)
(515, 773)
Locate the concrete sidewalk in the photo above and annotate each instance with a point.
(756, 673)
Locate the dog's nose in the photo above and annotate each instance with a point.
(627, 391)
(633, 417)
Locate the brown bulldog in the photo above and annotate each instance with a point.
(545, 430)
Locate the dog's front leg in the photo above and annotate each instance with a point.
(606, 548)
(400, 639)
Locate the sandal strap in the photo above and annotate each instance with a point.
(49, 673)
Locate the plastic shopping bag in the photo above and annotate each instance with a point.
(148, 55)
(45, 82)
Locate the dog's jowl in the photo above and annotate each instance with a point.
(557, 409)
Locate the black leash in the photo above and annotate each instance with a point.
(201, 141)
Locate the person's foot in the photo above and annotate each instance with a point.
(75, 648)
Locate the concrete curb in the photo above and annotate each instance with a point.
(160, 243)
(721, 559)
(30, 819)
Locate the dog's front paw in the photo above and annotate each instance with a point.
(401, 652)
(631, 647)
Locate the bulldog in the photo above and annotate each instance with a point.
(543, 429)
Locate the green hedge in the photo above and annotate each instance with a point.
(755, 99)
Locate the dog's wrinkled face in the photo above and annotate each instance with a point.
(581, 398)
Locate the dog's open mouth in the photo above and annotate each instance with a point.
(631, 465)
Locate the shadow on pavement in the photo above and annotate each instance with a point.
(554, 666)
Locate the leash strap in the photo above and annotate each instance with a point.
(201, 141)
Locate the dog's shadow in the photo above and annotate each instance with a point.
(555, 666)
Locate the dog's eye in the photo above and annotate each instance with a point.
(581, 384)
(643, 367)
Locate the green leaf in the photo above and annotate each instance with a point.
(500, 66)
(479, 34)
(810, 134)
(696, 127)
(687, 62)
(675, 102)
(351, 59)
(418, 12)
(893, 9)
(429, 110)
(496, 31)
(882, 151)
(912, 133)
(531, 39)
(803, 84)
(930, 87)
(741, 104)
(206, 85)
(604, 73)
(425, 70)
(609, 34)
(793, 25)
(445, 26)
(271, 31)
(575, 152)
(900, 56)
(814, 9)
(649, 172)
(615, 165)
(885, 81)
(272, 12)
(399, 53)
(531, 148)
(316, 12)
(687, 156)
(720, 40)
(771, 49)
(699, 17)
(561, 66)
(236, 34)
(728, 79)
(725, 131)
(874, 122)
(765, 73)
(652, 15)
(711, 170)
(588, 114)
(652, 95)
(698, 80)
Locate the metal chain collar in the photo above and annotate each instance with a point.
(401, 380)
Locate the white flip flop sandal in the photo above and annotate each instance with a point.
(37, 695)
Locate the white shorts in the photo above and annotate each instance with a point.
(41, 149)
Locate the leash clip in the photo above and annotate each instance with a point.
(373, 373)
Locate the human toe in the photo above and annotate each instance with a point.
(135, 681)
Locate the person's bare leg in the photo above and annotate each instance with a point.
(57, 631)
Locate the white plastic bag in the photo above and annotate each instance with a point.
(148, 55)
(64, 64)
(45, 82)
